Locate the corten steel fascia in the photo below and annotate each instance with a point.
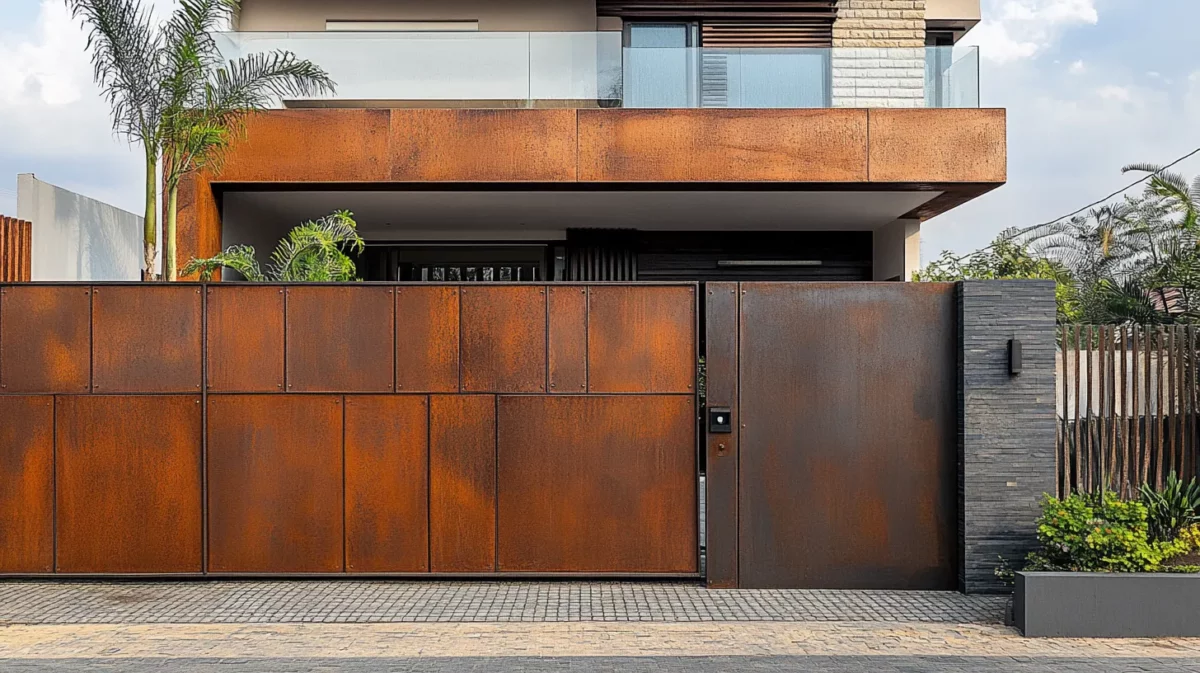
(960, 153)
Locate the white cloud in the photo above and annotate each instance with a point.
(1014, 30)
(1077, 68)
(53, 120)
(1113, 92)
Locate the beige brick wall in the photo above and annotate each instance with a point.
(879, 53)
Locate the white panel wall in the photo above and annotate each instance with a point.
(77, 238)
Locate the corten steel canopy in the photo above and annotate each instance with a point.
(956, 154)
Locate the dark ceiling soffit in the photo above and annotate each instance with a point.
(966, 187)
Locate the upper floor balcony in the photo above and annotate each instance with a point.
(599, 69)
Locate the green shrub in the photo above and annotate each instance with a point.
(1089, 533)
(1172, 509)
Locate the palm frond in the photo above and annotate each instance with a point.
(125, 52)
(240, 258)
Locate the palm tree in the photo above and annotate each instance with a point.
(312, 252)
(1173, 190)
(209, 100)
(170, 92)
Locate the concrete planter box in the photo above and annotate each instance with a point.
(1107, 605)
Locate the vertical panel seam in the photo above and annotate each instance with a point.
(54, 484)
(496, 482)
(204, 294)
(345, 564)
(428, 483)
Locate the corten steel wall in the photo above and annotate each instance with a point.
(366, 429)
(840, 472)
(16, 250)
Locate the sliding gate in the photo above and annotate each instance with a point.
(381, 429)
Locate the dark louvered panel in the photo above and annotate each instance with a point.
(601, 263)
(816, 32)
(751, 9)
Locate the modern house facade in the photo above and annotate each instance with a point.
(618, 285)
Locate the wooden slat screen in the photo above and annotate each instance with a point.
(816, 32)
(16, 253)
(1127, 399)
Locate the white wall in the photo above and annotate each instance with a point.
(897, 250)
(77, 238)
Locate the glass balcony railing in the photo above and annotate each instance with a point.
(595, 70)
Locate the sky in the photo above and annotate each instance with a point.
(1090, 86)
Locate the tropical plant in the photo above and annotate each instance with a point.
(170, 92)
(1174, 508)
(1098, 533)
(312, 252)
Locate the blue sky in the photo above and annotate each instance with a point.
(1090, 85)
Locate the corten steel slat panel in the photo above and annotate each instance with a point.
(340, 339)
(723, 145)
(427, 339)
(597, 484)
(45, 339)
(503, 339)
(568, 339)
(146, 339)
(641, 339)
(26, 484)
(341, 145)
(245, 339)
(128, 484)
(847, 475)
(483, 145)
(387, 469)
(938, 146)
(721, 332)
(462, 483)
(275, 484)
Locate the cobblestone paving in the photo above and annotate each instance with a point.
(613, 665)
(216, 602)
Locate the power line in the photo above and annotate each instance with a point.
(1026, 230)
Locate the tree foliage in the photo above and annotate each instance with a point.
(1134, 261)
(312, 252)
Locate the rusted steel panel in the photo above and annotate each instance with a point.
(722, 145)
(597, 484)
(312, 145)
(483, 145)
(146, 339)
(275, 484)
(721, 483)
(128, 484)
(568, 339)
(848, 452)
(504, 339)
(45, 339)
(462, 483)
(26, 484)
(245, 339)
(641, 339)
(938, 146)
(198, 220)
(340, 339)
(427, 339)
(387, 472)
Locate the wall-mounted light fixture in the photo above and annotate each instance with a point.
(1014, 357)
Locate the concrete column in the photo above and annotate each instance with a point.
(1006, 428)
(879, 54)
(897, 251)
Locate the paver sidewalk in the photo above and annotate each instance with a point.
(281, 602)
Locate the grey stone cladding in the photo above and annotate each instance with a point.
(1006, 431)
